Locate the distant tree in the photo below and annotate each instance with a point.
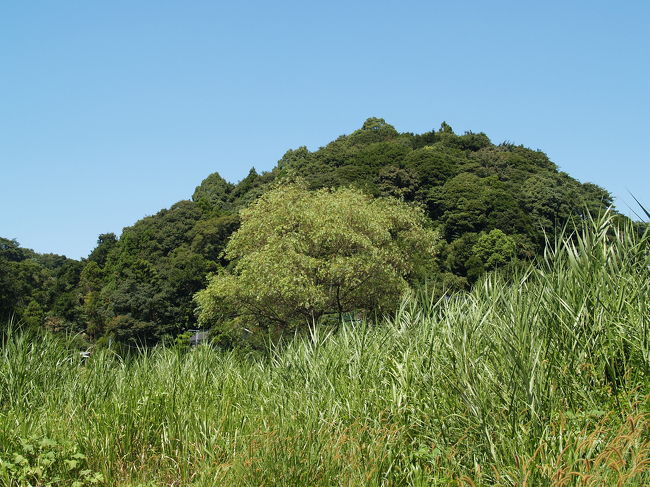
(373, 130)
(33, 314)
(494, 249)
(397, 182)
(251, 187)
(14, 290)
(209, 236)
(455, 255)
(434, 165)
(551, 200)
(595, 198)
(294, 158)
(63, 293)
(445, 128)
(213, 193)
(90, 284)
(464, 204)
(300, 255)
(468, 203)
(10, 250)
(105, 243)
(472, 142)
(10, 289)
(134, 332)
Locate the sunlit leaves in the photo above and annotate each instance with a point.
(300, 255)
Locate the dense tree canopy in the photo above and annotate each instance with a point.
(300, 255)
(491, 204)
(31, 284)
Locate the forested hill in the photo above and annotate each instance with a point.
(491, 203)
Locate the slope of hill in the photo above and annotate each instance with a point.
(492, 204)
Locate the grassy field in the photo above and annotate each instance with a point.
(543, 382)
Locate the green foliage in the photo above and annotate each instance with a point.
(494, 249)
(213, 193)
(543, 382)
(373, 130)
(469, 203)
(33, 284)
(151, 273)
(467, 185)
(182, 341)
(397, 182)
(11, 251)
(209, 236)
(132, 331)
(33, 315)
(10, 288)
(434, 165)
(105, 243)
(40, 461)
(300, 255)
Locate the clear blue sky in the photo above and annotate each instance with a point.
(110, 111)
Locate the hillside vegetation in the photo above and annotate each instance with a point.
(490, 205)
(538, 379)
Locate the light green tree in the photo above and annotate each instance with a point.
(300, 255)
(495, 249)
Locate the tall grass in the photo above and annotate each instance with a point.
(540, 382)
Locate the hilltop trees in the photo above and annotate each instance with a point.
(301, 255)
(139, 287)
(32, 283)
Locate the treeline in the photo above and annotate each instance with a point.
(490, 204)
